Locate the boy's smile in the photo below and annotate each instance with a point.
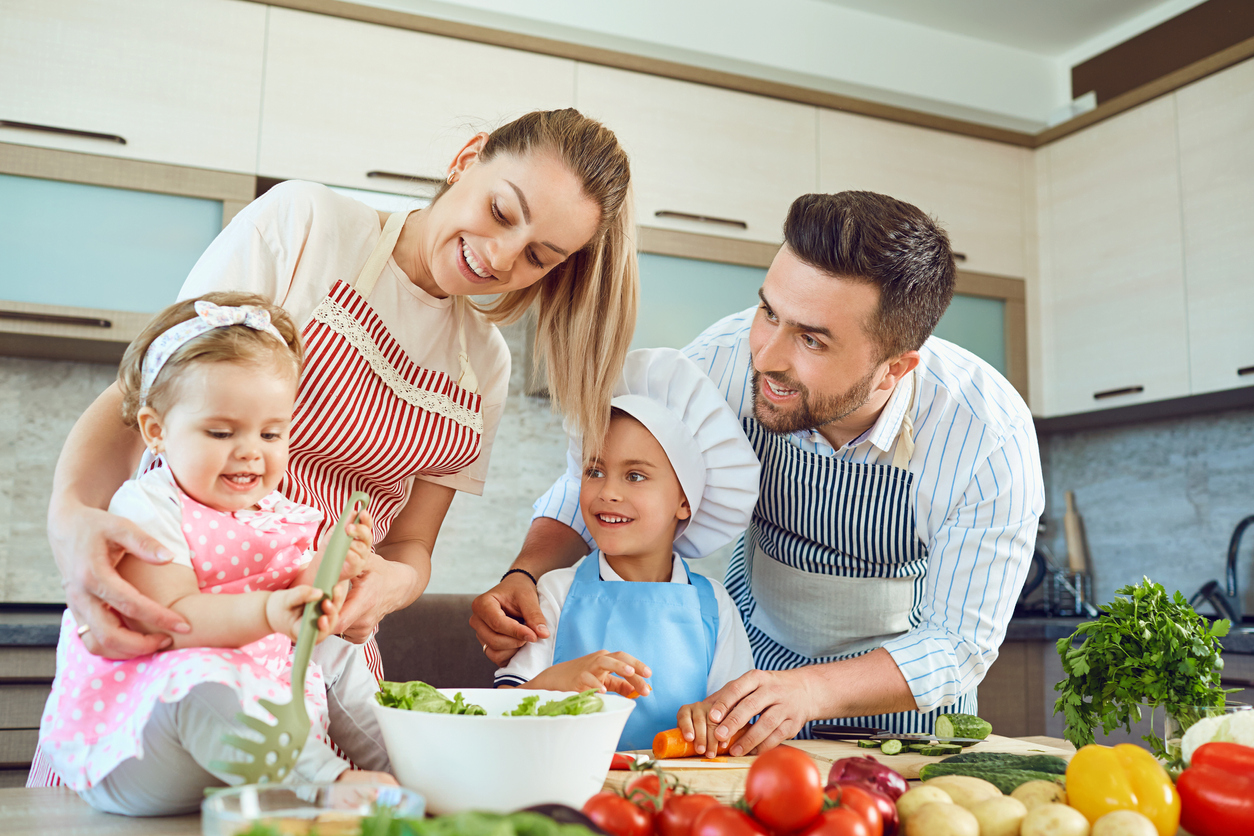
(631, 502)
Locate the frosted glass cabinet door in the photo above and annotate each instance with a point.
(344, 98)
(681, 297)
(1217, 185)
(977, 324)
(181, 82)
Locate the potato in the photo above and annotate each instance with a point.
(939, 818)
(1000, 816)
(1054, 820)
(912, 800)
(1035, 793)
(965, 790)
(1124, 823)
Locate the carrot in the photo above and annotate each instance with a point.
(671, 744)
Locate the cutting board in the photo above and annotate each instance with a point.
(725, 781)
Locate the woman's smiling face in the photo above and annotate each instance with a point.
(504, 223)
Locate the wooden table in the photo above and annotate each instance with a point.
(56, 811)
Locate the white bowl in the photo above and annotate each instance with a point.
(497, 763)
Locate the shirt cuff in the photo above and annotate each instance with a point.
(927, 661)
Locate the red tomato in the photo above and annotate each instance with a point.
(784, 789)
(618, 816)
(718, 820)
(681, 812)
(838, 821)
(649, 783)
(875, 807)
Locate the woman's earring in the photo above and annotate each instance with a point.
(452, 177)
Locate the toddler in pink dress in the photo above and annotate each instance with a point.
(211, 386)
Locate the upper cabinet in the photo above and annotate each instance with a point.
(973, 187)
(351, 103)
(704, 159)
(1113, 292)
(179, 82)
(1216, 118)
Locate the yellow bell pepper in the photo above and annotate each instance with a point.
(1101, 779)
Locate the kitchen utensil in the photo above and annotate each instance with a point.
(236, 809)
(1073, 526)
(1069, 594)
(274, 755)
(451, 759)
(1226, 601)
(855, 733)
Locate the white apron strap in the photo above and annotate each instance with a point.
(373, 268)
(466, 379)
(904, 448)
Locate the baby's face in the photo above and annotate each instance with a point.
(225, 436)
(629, 495)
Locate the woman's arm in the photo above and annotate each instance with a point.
(397, 573)
(87, 542)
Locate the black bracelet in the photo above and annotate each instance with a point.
(521, 572)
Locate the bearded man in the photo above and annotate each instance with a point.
(900, 489)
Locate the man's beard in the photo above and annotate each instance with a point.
(810, 413)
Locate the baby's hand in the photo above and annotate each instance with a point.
(285, 607)
(602, 670)
(695, 725)
(362, 776)
(360, 546)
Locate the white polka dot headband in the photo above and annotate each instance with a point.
(208, 317)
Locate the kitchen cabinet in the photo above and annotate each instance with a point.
(1112, 254)
(344, 99)
(1216, 119)
(179, 82)
(973, 187)
(704, 159)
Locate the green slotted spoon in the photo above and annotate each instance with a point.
(275, 754)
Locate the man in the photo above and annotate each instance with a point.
(901, 487)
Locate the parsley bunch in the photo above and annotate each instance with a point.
(1146, 648)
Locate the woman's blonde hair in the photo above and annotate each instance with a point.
(233, 344)
(586, 306)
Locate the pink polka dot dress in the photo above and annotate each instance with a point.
(95, 717)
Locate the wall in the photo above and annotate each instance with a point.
(1158, 499)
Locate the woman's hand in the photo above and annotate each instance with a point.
(618, 672)
(87, 544)
(383, 586)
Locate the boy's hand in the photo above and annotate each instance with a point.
(285, 607)
(695, 725)
(602, 670)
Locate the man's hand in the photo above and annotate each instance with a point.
(87, 544)
(508, 616)
(781, 700)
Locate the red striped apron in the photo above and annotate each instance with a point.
(367, 417)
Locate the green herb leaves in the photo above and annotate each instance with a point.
(1145, 648)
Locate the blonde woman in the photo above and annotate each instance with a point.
(406, 377)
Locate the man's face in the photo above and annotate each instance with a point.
(813, 361)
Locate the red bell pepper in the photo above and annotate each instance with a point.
(1217, 790)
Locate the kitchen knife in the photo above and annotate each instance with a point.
(829, 732)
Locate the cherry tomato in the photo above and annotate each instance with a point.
(648, 783)
(838, 821)
(876, 808)
(618, 816)
(784, 789)
(718, 820)
(681, 812)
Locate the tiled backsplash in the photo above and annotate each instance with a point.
(1158, 499)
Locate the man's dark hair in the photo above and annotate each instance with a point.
(870, 237)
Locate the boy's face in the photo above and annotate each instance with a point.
(629, 495)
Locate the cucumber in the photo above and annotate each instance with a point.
(962, 725)
(937, 750)
(868, 744)
(891, 747)
(1005, 780)
(914, 747)
(1004, 760)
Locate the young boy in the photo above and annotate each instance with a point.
(675, 478)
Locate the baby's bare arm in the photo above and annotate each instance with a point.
(230, 620)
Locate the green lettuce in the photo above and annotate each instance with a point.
(419, 696)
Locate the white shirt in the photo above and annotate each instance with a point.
(977, 494)
(732, 655)
(294, 242)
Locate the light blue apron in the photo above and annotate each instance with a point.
(671, 627)
(831, 566)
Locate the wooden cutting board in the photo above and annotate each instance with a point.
(726, 780)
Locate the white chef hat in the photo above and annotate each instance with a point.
(716, 465)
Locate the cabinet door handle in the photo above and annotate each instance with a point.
(1114, 393)
(705, 219)
(1244, 370)
(57, 319)
(409, 178)
(51, 129)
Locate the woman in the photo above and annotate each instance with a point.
(405, 376)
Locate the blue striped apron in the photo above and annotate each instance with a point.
(851, 525)
(671, 627)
